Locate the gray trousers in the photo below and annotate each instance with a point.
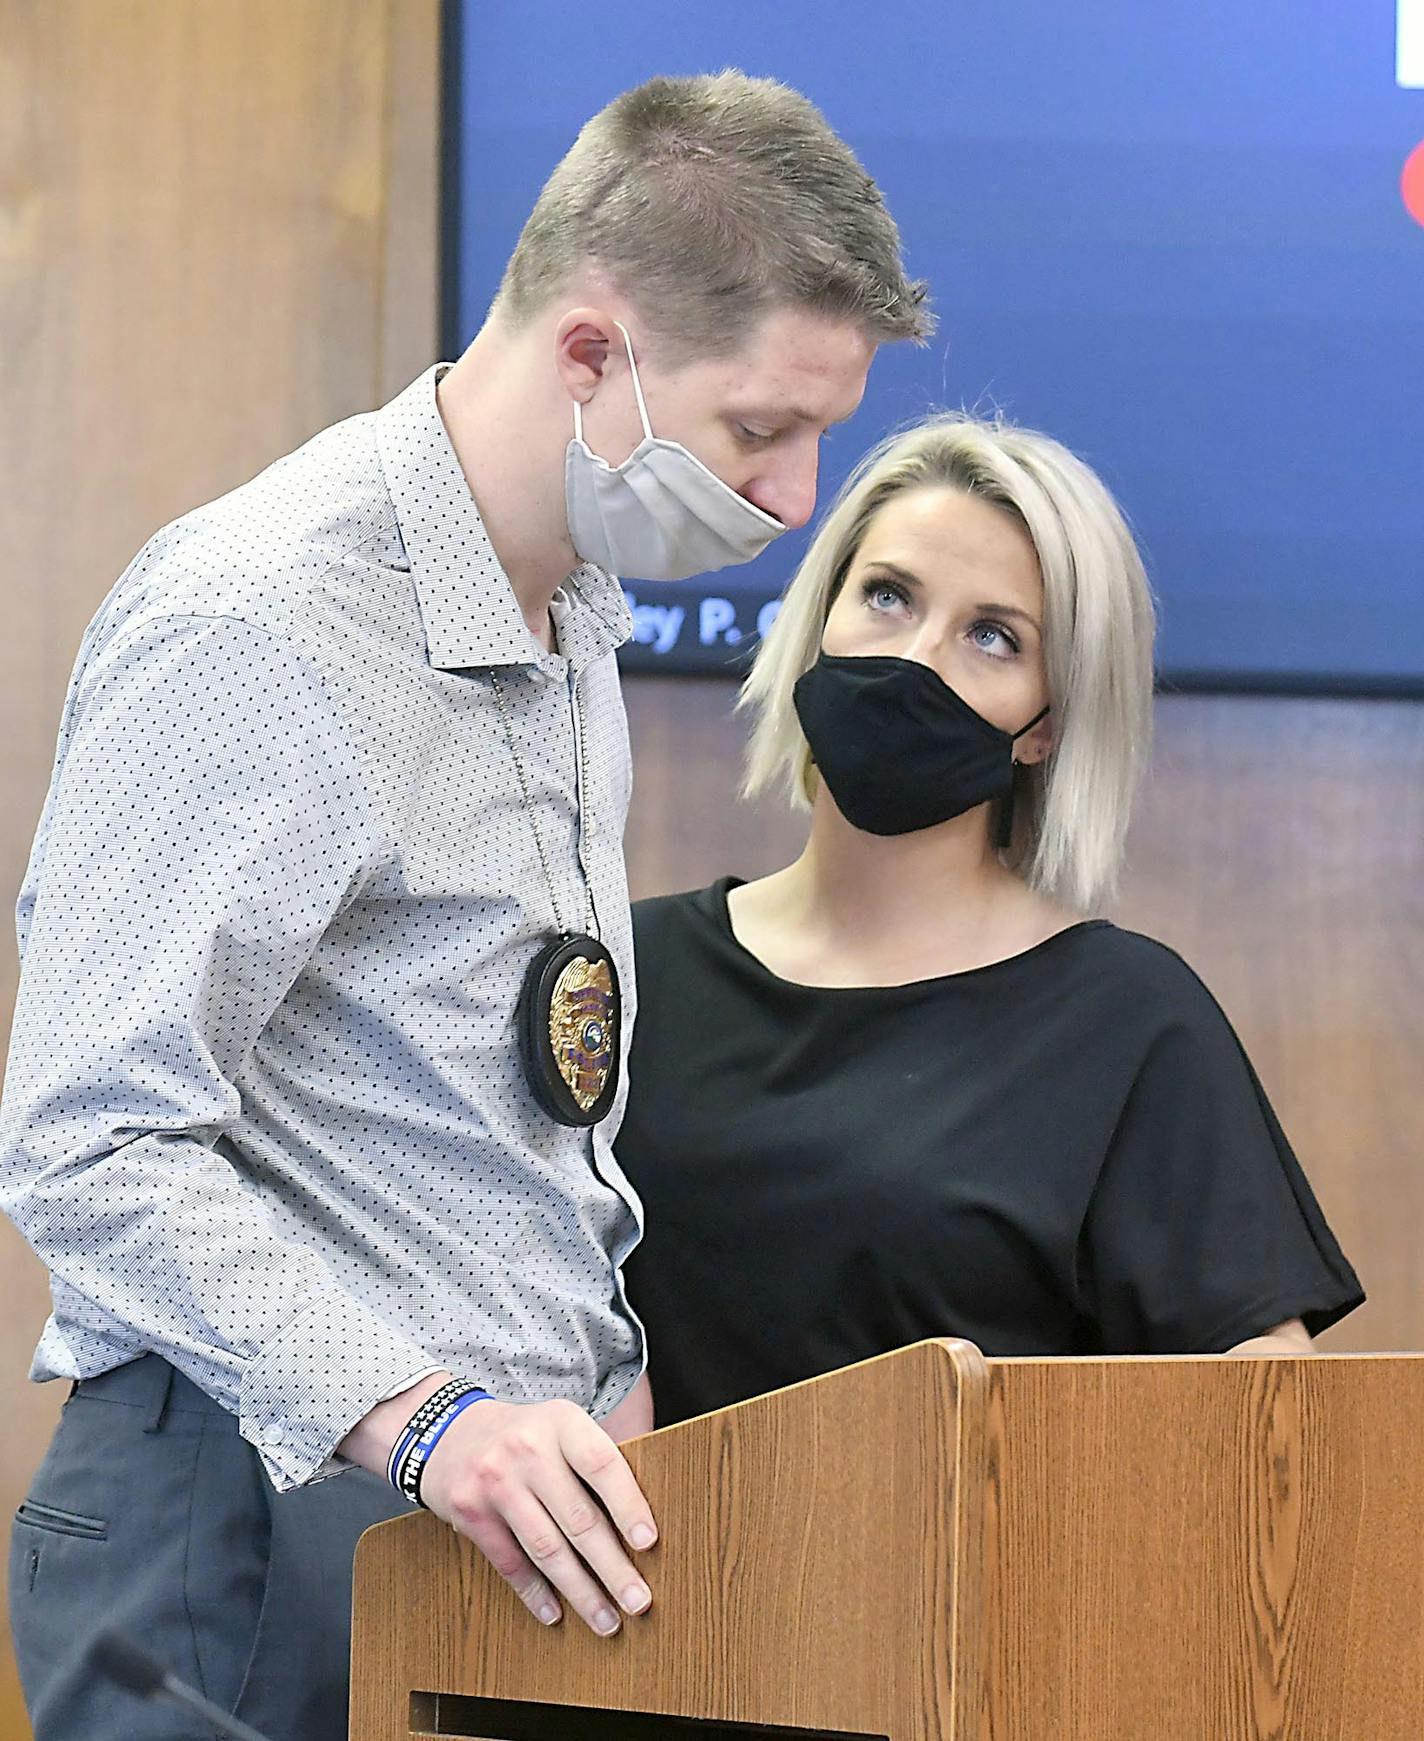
(151, 1514)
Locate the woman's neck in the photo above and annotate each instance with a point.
(865, 909)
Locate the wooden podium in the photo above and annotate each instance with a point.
(936, 1547)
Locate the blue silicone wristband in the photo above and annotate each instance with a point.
(413, 1463)
(421, 1423)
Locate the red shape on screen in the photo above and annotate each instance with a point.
(1411, 183)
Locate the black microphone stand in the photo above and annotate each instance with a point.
(118, 1658)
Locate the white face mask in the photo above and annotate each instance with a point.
(661, 515)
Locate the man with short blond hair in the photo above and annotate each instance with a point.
(327, 961)
(714, 200)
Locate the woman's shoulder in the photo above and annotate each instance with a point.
(1150, 977)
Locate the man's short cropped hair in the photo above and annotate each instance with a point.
(710, 201)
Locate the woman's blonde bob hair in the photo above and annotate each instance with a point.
(1073, 808)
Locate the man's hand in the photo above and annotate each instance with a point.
(516, 1479)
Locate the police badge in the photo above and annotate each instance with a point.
(569, 1029)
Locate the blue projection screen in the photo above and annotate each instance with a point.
(1178, 238)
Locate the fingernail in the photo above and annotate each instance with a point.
(642, 1536)
(548, 1614)
(605, 1621)
(636, 1598)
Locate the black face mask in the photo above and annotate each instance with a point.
(898, 749)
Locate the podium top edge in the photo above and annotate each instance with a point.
(1315, 1357)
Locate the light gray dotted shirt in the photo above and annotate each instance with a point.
(264, 1112)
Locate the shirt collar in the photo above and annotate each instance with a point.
(468, 607)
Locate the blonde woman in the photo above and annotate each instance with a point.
(913, 1084)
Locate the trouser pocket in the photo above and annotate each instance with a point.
(171, 1532)
(101, 1540)
(60, 1522)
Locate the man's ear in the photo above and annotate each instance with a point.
(584, 341)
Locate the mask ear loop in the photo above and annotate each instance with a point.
(1004, 831)
(637, 392)
(637, 384)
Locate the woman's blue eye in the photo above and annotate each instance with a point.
(994, 639)
(880, 595)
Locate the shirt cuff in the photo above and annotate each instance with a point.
(309, 1387)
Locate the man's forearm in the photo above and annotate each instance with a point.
(369, 1442)
(634, 1415)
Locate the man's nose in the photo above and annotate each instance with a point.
(789, 492)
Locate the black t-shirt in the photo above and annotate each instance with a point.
(1067, 1152)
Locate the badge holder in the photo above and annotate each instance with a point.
(569, 1029)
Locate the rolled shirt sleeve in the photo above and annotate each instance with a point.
(207, 820)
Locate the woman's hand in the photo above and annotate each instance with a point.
(1292, 1337)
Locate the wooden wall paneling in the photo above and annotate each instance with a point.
(687, 823)
(409, 233)
(217, 235)
(1279, 846)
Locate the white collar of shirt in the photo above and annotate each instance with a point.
(443, 535)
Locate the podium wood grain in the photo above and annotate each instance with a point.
(794, 1543)
(1205, 1550)
(1185, 1549)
